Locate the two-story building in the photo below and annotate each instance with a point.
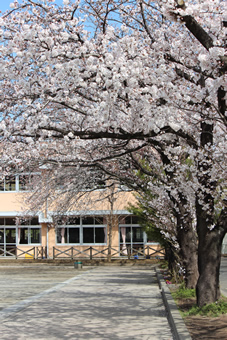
(88, 232)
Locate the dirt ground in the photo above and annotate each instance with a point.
(204, 328)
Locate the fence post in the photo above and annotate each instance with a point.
(16, 253)
(90, 253)
(53, 253)
(72, 253)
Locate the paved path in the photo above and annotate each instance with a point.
(113, 303)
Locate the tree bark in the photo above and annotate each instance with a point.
(186, 234)
(209, 258)
(188, 242)
(110, 238)
(210, 236)
(111, 199)
(170, 257)
(188, 253)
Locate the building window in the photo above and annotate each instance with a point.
(94, 232)
(29, 235)
(83, 230)
(21, 182)
(132, 237)
(5, 221)
(68, 235)
(29, 232)
(7, 239)
(24, 181)
(93, 235)
(10, 183)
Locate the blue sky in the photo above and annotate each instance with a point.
(4, 4)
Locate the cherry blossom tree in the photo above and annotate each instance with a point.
(170, 192)
(147, 72)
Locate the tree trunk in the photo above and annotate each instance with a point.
(188, 242)
(210, 235)
(209, 260)
(110, 238)
(111, 199)
(170, 257)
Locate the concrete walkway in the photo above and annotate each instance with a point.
(113, 303)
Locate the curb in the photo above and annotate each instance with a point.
(176, 321)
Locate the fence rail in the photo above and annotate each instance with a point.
(37, 252)
(93, 253)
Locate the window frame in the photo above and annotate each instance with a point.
(17, 182)
(130, 224)
(82, 228)
(29, 228)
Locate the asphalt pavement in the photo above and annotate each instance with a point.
(42, 302)
(112, 303)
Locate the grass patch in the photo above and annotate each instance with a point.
(186, 301)
(163, 264)
(212, 310)
(183, 293)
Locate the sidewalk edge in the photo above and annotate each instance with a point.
(176, 321)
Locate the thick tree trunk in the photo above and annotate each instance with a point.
(209, 259)
(210, 235)
(188, 242)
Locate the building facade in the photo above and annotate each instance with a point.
(96, 230)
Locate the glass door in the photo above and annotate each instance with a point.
(7, 241)
(131, 240)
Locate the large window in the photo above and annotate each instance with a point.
(132, 237)
(29, 235)
(29, 232)
(68, 235)
(12, 233)
(7, 239)
(82, 230)
(21, 182)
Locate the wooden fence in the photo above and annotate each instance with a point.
(89, 253)
(93, 253)
(37, 252)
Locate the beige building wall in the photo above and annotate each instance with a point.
(51, 240)
(115, 233)
(13, 204)
(44, 236)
